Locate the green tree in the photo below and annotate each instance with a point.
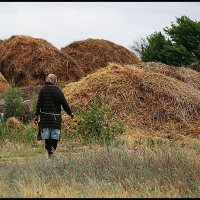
(179, 46)
(177, 55)
(154, 49)
(186, 33)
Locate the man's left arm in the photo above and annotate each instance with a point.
(65, 105)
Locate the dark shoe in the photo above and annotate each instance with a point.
(50, 156)
(51, 153)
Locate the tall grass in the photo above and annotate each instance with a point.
(18, 144)
(164, 171)
(150, 169)
(25, 136)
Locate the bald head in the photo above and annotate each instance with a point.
(51, 78)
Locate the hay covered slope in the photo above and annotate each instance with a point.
(28, 60)
(92, 54)
(184, 74)
(138, 96)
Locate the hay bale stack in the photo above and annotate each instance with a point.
(28, 60)
(184, 74)
(92, 54)
(142, 98)
(3, 83)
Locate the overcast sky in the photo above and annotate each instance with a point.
(62, 23)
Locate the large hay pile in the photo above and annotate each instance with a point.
(92, 54)
(3, 83)
(184, 74)
(28, 60)
(143, 98)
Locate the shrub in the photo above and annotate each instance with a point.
(13, 101)
(29, 108)
(97, 125)
(26, 136)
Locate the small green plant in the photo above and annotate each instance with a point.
(25, 136)
(97, 125)
(29, 109)
(13, 101)
(33, 105)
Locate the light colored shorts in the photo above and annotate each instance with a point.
(50, 133)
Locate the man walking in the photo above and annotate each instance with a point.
(48, 109)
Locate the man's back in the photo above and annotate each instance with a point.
(49, 106)
(51, 99)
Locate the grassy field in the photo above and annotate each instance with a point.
(162, 170)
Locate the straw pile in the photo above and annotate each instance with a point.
(28, 60)
(3, 83)
(143, 98)
(184, 74)
(92, 54)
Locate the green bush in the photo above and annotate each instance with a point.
(26, 136)
(97, 125)
(28, 111)
(13, 102)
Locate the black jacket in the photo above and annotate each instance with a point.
(50, 99)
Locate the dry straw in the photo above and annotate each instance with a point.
(143, 97)
(184, 74)
(92, 54)
(28, 60)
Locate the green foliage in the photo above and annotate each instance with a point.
(177, 55)
(29, 111)
(97, 124)
(25, 136)
(186, 33)
(13, 102)
(180, 46)
(155, 51)
(33, 105)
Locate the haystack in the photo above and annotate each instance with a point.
(184, 74)
(92, 54)
(28, 60)
(3, 83)
(143, 98)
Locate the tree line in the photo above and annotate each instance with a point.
(179, 45)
